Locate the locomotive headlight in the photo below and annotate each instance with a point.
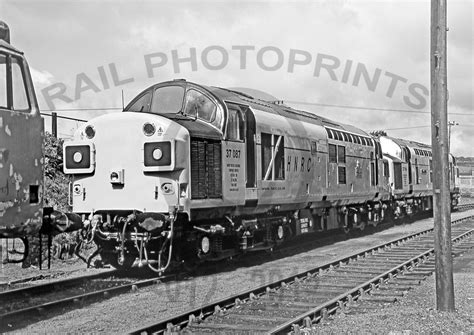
(149, 129)
(89, 131)
(157, 154)
(77, 157)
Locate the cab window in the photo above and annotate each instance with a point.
(13, 92)
(200, 106)
(235, 131)
(167, 100)
(3, 81)
(20, 98)
(142, 104)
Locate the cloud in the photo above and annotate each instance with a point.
(41, 78)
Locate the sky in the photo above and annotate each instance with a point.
(365, 63)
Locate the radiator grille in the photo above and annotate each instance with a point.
(206, 169)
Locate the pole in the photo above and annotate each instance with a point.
(54, 124)
(439, 141)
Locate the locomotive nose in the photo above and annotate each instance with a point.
(127, 161)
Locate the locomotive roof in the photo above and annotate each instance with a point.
(409, 143)
(274, 108)
(8, 46)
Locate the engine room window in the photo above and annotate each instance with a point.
(198, 105)
(167, 100)
(329, 133)
(341, 174)
(142, 104)
(341, 154)
(273, 157)
(332, 153)
(235, 125)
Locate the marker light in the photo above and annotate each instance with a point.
(149, 129)
(90, 132)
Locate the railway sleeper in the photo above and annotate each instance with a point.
(409, 281)
(326, 287)
(344, 275)
(222, 328)
(366, 267)
(393, 285)
(273, 306)
(372, 271)
(318, 291)
(376, 260)
(388, 293)
(378, 299)
(285, 313)
(417, 275)
(297, 304)
(400, 259)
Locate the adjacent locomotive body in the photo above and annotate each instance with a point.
(21, 145)
(410, 170)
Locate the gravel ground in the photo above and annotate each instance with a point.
(133, 310)
(416, 312)
(60, 269)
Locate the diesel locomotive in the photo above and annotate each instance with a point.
(22, 214)
(21, 148)
(188, 173)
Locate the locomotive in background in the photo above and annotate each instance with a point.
(22, 214)
(188, 173)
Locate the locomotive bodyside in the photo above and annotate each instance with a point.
(21, 146)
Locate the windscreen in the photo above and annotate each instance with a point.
(167, 100)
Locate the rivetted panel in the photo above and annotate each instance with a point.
(206, 169)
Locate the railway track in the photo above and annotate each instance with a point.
(375, 276)
(25, 305)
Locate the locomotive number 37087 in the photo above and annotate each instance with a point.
(232, 153)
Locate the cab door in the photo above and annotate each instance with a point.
(234, 156)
